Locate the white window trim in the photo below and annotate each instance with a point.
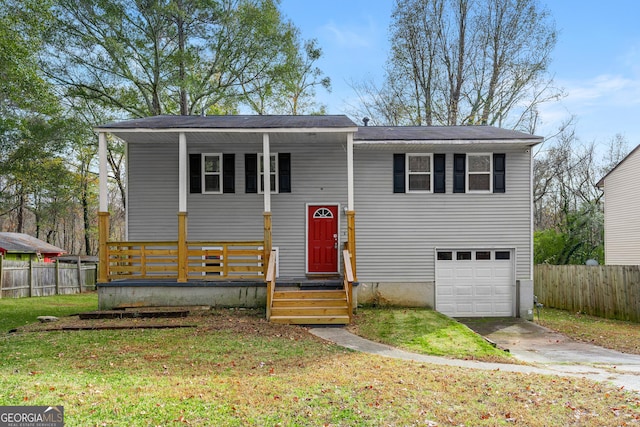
(204, 172)
(408, 173)
(274, 173)
(468, 174)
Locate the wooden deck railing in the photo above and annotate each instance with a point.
(348, 281)
(271, 281)
(205, 260)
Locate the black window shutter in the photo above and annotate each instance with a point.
(499, 173)
(284, 172)
(195, 173)
(439, 168)
(398, 173)
(228, 173)
(459, 171)
(251, 173)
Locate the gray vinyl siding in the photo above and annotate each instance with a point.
(397, 234)
(318, 175)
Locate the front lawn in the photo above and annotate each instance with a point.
(235, 369)
(614, 334)
(425, 331)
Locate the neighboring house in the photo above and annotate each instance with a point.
(622, 211)
(22, 247)
(430, 216)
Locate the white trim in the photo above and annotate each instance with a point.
(407, 172)
(204, 173)
(350, 173)
(531, 214)
(228, 130)
(182, 173)
(275, 173)
(468, 173)
(306, 237)
(528, 142)
(266, 178)
(103, 177)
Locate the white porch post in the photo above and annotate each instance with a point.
(351, 214)
(350, 203)
(266, 177)
(182, 171)
(102, 158)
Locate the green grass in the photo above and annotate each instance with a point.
(614, 334)
(16, 312)
(235, 369)
(427, 332)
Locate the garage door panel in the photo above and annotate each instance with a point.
(481, 287)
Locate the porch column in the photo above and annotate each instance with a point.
(266, 182)
(103, 211)
(182, 208)
(351, 214)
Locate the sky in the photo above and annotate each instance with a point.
(596, 60)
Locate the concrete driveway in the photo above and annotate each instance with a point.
(533, 343)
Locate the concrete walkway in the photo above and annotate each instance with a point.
(619, 369)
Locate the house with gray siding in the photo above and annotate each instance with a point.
(422, 216)
(622, 211)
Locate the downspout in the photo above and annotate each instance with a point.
(266, 183)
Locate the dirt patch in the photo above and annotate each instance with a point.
(234, 320)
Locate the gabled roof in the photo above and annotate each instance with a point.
(443, 133)
(600, 183)
(19, 242)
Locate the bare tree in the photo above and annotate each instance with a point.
(459, 62)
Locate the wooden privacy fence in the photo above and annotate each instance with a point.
(609, 291)
(34, 279)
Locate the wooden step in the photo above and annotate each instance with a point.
(310, 302)
(311, 320)
(309, 311)
(332, 294)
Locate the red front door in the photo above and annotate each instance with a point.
(322, 238)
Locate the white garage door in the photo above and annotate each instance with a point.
(475, 283)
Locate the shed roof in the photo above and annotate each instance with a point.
(20, 242)
(248, 122)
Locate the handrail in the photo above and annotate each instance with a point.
(348, 281)
(270, 278)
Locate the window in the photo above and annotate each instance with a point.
(211, 173)
(419, 172)
(463, 256)
(483, 255)
(444, 256)
(423, 173)
(273, 168)
(479, 172)
(503, 255)
(279, 173)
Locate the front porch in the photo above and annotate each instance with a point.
(287, 300)
(215, 170)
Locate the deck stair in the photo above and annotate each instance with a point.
(310, 307)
